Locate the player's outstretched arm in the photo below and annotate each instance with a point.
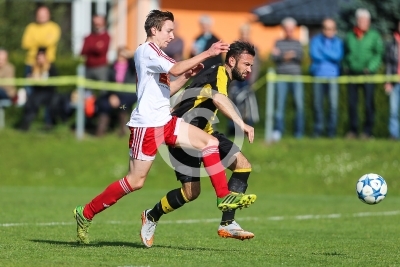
(176, 85)
(181, 67)
(223, 103)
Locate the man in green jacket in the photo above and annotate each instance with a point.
(363, 56)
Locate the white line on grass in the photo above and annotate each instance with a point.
(273, 218)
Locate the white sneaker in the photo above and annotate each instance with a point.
(234, 230)
(148, 229)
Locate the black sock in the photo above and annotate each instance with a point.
(237, 183)
(172, 201)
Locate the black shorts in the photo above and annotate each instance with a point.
(187, 165)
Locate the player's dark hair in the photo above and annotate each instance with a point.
(239, 47)
(156, 18)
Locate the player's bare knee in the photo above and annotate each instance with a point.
(212, 142)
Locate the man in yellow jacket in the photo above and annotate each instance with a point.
(42, 33)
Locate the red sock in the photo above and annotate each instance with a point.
(107, 198)
(215, 170)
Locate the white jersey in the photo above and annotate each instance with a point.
(153, 106)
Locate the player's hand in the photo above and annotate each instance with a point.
(194, 71)
(249, 131)
(218, 48)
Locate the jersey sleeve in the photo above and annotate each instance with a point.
(156, 60)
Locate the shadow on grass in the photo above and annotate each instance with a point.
(92, 244)
(329, 253)
(127, 244)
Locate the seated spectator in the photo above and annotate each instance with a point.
(42, 95)
(6, 71)
(118, 104)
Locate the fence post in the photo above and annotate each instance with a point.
(80, 105)
(269, 101)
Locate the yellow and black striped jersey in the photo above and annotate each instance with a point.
(196, 105)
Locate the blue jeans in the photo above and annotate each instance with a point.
(297, 90)
(394, 112)
(331, 92)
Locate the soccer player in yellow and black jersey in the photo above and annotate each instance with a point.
(198, 106)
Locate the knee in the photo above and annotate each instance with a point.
(136, 182)
(213, 142)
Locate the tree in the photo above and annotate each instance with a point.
(384, 14)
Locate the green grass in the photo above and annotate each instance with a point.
(306, 214)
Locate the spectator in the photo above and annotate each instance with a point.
(363, 56)
(326, 52)
(45, 96)
(393, 90)
(287, 55)
(7, 70)
(117, 103)
(175, 47)
(95, 48)
(241, 93)
(204, 42)
(42, 33)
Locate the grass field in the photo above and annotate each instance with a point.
(306, 214)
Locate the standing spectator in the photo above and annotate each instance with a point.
(204, 42)
(175, 47)
(326, 52)
(241, 92)
(363, 56)
(7, 70)
(95, 48)
(42, 33)
(287, 55)
(393, 90)
(45, 96)
(117, 103)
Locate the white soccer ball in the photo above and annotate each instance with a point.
(371, 188)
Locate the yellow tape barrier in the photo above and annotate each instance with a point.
(71, 81)
(272, 77)
(377, 78)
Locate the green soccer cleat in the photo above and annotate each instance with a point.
(235, 201)
(82, 225)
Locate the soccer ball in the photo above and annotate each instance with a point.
(371, 188)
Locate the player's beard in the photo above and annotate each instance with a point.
(236, 75)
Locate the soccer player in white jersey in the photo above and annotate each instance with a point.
(151, 124)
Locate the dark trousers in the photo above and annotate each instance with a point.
(368, 90)
(37, 98)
